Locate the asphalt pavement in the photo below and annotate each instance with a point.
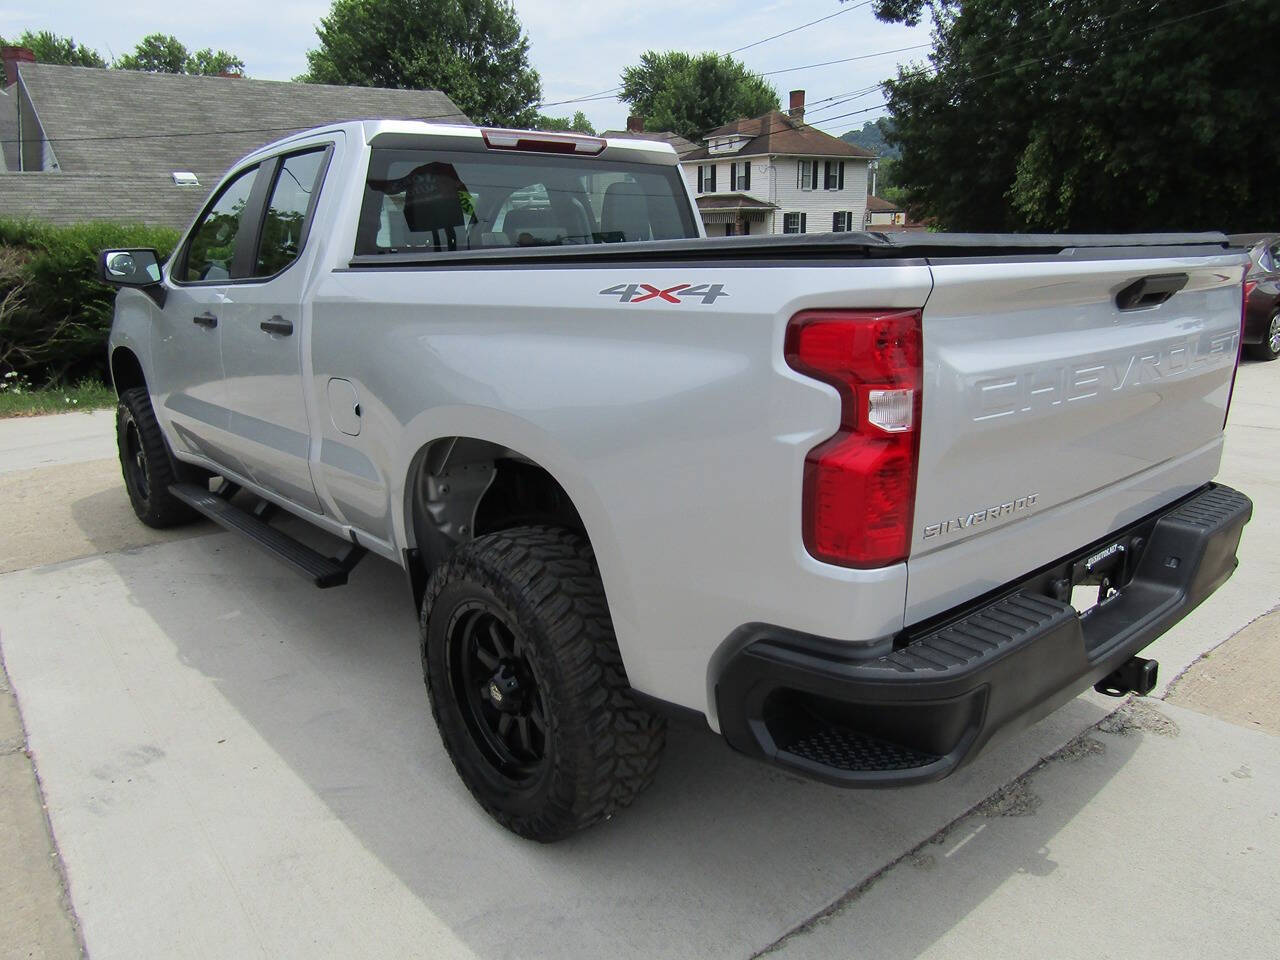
(237, 765)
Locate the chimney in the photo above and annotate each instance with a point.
(796, 112)
(635, 124)
(12, 57)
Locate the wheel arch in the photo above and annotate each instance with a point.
(126, 370)
(462, 487)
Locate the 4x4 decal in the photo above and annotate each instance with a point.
(679, 293)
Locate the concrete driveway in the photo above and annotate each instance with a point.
(238, 765)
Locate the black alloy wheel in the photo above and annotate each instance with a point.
(494, 682)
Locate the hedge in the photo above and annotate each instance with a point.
(54, 312)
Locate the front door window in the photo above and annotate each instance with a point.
(213, 242)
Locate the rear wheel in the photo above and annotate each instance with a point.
(1269, 348)
(145, 461)
(527, 686)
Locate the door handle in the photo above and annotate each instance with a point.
(205, 319)
(277, 324)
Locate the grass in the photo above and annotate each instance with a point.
(20, 399)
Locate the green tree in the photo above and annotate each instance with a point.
(51, 48)
(161, 53)
(155, 53)
(214, 63)
(475, 51)
(1089, 115)
(692, 94)
(886, 182)
(579, 123)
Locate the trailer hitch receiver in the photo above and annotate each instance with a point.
(1135, 675)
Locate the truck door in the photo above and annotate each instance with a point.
(263, 348)
(186, 379)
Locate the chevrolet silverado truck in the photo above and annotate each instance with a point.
(863, 502)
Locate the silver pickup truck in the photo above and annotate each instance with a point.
(861, 501)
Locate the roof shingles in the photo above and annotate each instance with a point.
(132, 130)
(777, 134)
(678, 143)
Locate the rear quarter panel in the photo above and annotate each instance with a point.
(677, 430)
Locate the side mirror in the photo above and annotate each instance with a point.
(130, 268)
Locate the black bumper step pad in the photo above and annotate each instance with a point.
(842, 749)
(984, 633)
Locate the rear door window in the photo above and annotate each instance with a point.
(213, 241)
(292, 200)
(420, 200)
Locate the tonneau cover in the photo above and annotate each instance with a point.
(813, 247)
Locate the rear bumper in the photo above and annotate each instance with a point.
(920, 710)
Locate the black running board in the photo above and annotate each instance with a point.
(321, 570)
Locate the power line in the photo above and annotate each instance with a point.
(827, 63)
(1146, 30)
(602, 95)
(610, 95)
(801, 27)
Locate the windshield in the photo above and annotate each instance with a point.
(419, 200)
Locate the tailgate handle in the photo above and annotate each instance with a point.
(1150, 291)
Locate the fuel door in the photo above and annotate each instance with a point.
(344, 406)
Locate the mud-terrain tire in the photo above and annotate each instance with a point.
(146, 464)
(515, 625)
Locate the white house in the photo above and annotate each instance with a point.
(775, 174)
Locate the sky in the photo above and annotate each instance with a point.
(578, 48)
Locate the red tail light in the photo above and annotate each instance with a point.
(860, 485)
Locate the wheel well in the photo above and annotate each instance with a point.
(126, 371)
(461, 488)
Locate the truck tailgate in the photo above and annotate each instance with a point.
(1052, 416)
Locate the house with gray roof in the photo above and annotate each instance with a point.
(100, 144)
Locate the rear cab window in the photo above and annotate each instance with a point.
(424, 200)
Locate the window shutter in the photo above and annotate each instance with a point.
(804, 217)
(815, 178)
(835, 223)
(827, 183)
(747, 171)
(841, 186)
(712, 188)
(700, 178)
(733, 176)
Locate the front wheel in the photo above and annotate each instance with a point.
(1269, 348)
(527, 686)
(144, 459)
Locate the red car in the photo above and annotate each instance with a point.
(1262, 296)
